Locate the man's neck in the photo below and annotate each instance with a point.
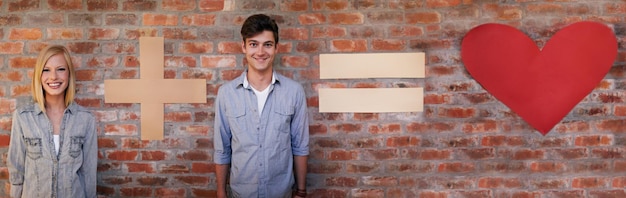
(259, 80)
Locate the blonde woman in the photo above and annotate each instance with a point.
(53, 149)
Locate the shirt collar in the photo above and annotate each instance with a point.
(246, 84)
(69, 109)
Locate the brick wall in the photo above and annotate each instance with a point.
(465, 143)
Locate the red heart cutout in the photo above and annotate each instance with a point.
(540, 85)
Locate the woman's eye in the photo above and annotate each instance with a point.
(46, 70)
(61, 69)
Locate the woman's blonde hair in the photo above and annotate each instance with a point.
(37, 89)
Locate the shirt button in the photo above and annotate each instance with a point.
(261, 165)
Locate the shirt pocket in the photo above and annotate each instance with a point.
(236, 119)
(76, 145)
(33, 148)
(282, 118)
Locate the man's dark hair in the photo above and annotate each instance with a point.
(258, 23)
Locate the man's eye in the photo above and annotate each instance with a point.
(253, 44)
(269, 45)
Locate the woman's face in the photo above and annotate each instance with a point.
(55, 76)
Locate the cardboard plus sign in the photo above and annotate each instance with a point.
(151, 90)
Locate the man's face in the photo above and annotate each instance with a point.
(260, 51)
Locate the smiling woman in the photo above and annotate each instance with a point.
(53, 147)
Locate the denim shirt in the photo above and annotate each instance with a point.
(260, 149)
(34, 167)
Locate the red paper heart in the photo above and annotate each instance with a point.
(540, 85)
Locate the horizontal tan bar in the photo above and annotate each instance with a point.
(155, 91)
(371, 100)
(372, 65)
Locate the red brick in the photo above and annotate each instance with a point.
(479, 153)
(193, 180)
(11, 48)
(169, 192)
(342, 155)
(106, 143)
(120, 129)
(595, 140)
(328, 193)
(217, 61)
(104, 33)
(388, 45)
(4, 141)
(608, 193)
(325, 168)
(140, 167)
(258, 5)
(442, 3)
(122, 155)
(589, 182)
(25, 34)
(294, 34)
(379, 181)
(196, 192)
(153, 155)
(229, 48)
(607, 153)
(480, 126)
(341, 181)
(134, 143)
(402, 141)
(497, 182)
(315, 129)
(545, 9)
(423, 18)
(617, 126)
(97, 5)
(173, 168)
(22, 5)
(526, 154)
(311, 18)
(359, 192)
(65, 33)
(348, 45)
(211, 5)
(103, 61)
(177, 5)
(194, 155)
(64, 5)
(136, 192)
(139, 5)
(457, 112)
(330, 5)
(20, 90)
(456, 167)
(295, 61)
(104, 167)
(117, 180)
(160, 19)
(547, 167)
(328, 32)
(346, 18)
(200, 167)
(432, 194)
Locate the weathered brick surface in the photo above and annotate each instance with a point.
(465, 144)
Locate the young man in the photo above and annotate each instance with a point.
(261, 131)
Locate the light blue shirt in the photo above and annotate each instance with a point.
(260, 149)
(36, 170)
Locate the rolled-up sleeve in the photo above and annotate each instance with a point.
(90, 163)
(300, 126)
(222, 134)
(16, 157)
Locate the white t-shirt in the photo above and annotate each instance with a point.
(56, 143)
